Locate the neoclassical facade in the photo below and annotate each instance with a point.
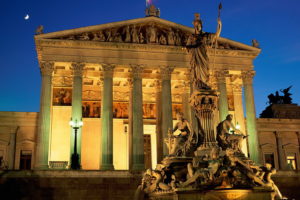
(126, 81)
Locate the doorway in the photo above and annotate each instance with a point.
(25, 160)
(147, 151)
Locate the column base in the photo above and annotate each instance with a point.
(138, 167)
(107, 167)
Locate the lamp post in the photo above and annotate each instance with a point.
(75, 156)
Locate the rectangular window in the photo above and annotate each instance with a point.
(269, 158)
(291, 161)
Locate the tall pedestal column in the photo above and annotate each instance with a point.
(159, 136)
(76, 107)
(42, 149)
(281, 155)
(223, 101)
(137, 119)
(167, 120)
(254, 149)
(239, 112)
(107, 118)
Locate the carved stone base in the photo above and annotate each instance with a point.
(204, 150)
(224, 194)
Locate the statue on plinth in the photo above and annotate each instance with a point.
(180, 138)
(226, 139)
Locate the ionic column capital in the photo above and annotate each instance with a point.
(108, 70)
(77, 68)
(166, 72)
(221, 75)
(46, 68)
(247, 76)
(136, 71)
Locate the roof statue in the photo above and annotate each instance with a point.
(151, 10)
(39, 30)
(281, 106)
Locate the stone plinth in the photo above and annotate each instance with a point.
(224, 194)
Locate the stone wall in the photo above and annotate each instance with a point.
(58, 185)
(121, 185)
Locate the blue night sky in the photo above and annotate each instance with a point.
(274, 23)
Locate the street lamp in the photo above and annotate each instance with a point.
(75, 156)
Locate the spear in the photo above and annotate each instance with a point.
(218, 32)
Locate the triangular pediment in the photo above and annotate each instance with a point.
(148, 30)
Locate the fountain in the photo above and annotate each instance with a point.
(204, 164)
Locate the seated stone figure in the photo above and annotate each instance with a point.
(177, 143)
(226, 139)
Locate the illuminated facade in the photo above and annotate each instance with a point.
(126, 81)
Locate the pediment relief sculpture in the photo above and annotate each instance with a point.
(146, 33)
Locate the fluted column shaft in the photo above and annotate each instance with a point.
(223, 101)
(42, 150)
(254, 149)
(185, 101)
(107, 118)
(130, 121)
(159, 136)
(12, 148)
(167, 120)
(77, 106)
(239, 112)
(137, 119)
(281, 155)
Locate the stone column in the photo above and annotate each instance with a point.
(12, 148)
(281, 155)
(254, 149)
(137, 119)
(167, 120)
(130, 121)
(159, 136)
(223, 101)
(298, 136)
(107, 118)
(185, 100)
(76, 107)
(239, 112)
(42, 149)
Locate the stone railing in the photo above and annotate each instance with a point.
(58, 164)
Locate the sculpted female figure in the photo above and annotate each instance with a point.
(198, 45)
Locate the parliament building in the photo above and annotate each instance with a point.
(120, 85)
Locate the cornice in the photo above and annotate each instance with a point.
(44, 43)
